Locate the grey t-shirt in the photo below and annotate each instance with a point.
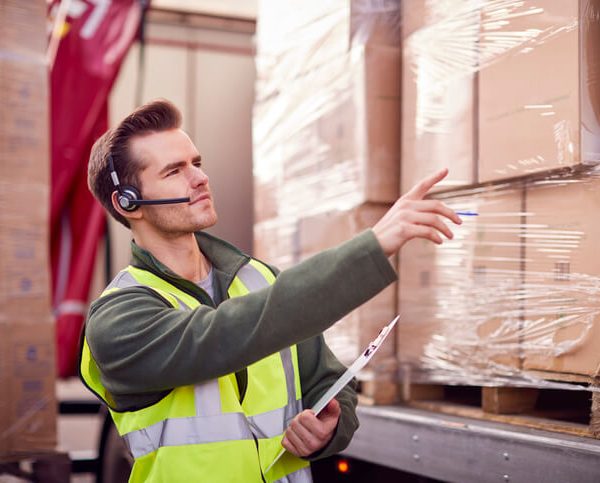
(208, 285)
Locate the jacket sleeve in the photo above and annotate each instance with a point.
(143, 346)
(319, 369)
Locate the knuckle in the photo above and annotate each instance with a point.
(303, 417)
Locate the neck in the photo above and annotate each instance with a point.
(178, 252)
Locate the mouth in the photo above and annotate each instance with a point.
(200, 198)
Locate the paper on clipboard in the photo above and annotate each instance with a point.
(347, 376)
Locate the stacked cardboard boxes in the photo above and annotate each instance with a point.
(326, 138)
(514, 296)
(27, 365)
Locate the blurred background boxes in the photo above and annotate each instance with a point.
(29, 401)
(276, 242)
(27, 340)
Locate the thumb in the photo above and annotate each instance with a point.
(331, 412)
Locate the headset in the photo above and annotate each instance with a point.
(130, 198)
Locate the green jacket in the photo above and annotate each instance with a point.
(144, 348)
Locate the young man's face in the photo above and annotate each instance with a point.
(173, 170)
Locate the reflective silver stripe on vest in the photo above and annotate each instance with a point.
(207, 398)
(294, 406)
(251, 278)
(303, 475)
(125, 280)
(274, 423)
(185, 431)
(288, 367)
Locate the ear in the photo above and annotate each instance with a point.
(130, 215)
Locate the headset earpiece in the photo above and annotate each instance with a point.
(127, 197)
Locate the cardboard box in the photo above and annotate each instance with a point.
(562, 303)
(538, 100)
(437, 93)
(344, 150)
(458, 300)
(349, 337)
(340, 144)
(29, 408)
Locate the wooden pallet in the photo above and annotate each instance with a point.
(47, 467)
(559, 410)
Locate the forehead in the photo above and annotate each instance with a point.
(160, 148)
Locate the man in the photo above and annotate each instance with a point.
(206, 357)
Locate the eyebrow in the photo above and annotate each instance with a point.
(177, 164)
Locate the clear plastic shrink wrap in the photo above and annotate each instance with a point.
(513, 299)
(504, 93)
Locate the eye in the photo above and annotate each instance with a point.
(172, 172)
(198, 164)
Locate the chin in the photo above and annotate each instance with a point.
(208, 221)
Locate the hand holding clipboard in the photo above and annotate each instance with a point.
(347, 376)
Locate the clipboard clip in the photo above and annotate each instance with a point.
(383, 333)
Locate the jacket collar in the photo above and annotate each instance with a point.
(225, 258)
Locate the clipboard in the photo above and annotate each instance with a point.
(347, 376)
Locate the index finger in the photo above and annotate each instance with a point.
(419, 191)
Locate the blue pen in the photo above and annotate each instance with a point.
(467, 213)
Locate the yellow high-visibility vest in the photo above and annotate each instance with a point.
(202, 432)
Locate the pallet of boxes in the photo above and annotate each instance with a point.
(27, 365)
(326, 147)
(503, 321)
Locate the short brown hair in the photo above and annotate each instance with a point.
(156, 116)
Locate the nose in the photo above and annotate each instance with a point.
(199, 178)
